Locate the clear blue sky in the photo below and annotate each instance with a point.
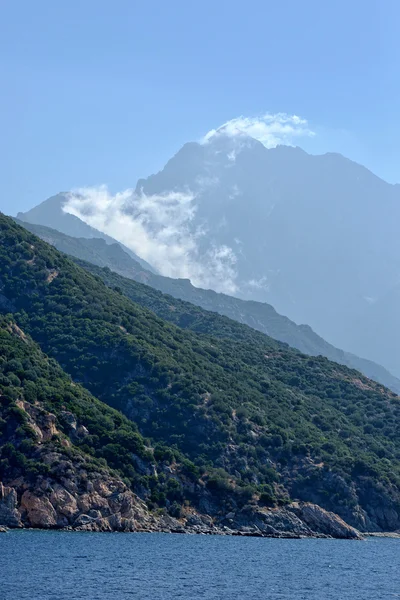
(105, 91)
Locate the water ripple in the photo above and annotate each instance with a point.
(39, 565)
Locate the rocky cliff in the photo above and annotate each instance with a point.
(97, 502)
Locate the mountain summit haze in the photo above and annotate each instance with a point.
(316, 236)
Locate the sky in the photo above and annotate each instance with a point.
(97, 92)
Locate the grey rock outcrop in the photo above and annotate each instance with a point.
(322, 521)
(101, 503)
(298, 519)
(9, 514)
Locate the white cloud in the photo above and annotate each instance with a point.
(160, 229)
(269, 129)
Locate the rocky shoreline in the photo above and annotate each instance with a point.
(107, 505)
(178, 528)
(168, 524)
(224, 531)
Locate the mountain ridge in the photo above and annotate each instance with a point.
(261, 317)
(317, 235)
(50, 213)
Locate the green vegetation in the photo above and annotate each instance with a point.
(30, 382)
(252, 414)
(258, 315)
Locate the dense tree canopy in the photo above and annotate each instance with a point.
(262, 414)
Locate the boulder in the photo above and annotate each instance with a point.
(38, 511)
(170, 524)
(63, 502)
(323, 521)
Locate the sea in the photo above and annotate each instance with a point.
(54, 565)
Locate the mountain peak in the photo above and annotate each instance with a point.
(223, 140)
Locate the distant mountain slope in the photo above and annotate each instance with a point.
(315, 236)
(258, 419)
(50, 214)
(259, 316)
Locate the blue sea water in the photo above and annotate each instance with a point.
(40, 565)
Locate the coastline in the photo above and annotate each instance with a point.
(56, 509)
(183, 530)
(383, 534)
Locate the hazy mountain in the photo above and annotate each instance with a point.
(51, 214)
(259, 316)
(315, 236)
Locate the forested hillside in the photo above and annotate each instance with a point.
(65, 453)
(271, 420)
(258, 315)
(68, 460)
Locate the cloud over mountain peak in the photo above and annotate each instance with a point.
(269, 129)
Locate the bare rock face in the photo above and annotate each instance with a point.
(104, 503)
(9, 513)
(75, 494)
(42, 422)
(38, 511)
(95, 502)
(172, 525)
(64, 503)
(322, 521)
(277, 522)
(295, 520)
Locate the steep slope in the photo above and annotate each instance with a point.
(379, 325)
(259, 418)
(259, 316)
(315, 236)
(59, 446)
(50, 213)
